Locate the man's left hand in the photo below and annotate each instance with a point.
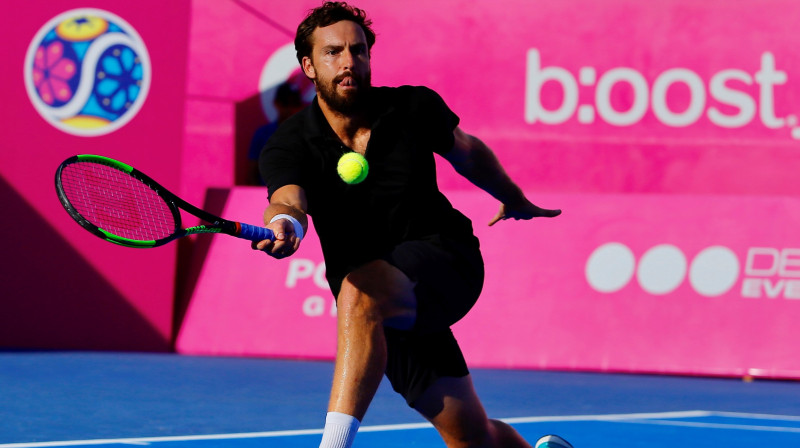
(524, 211)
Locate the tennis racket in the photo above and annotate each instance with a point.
(122, 205)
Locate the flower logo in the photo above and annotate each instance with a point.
(87, 72)
(52, 73)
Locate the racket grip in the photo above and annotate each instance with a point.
(256, 233)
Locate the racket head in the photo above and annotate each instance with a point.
(116, 202)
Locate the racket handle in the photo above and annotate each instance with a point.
(256, 233)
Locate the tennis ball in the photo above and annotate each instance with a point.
(352, 168)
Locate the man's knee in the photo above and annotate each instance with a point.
(352, 301)
(378, 290)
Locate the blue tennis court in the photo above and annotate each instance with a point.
(52, 399)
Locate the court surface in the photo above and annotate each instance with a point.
(171, 401)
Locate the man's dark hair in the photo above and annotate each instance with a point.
(326, 15)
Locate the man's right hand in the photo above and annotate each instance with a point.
(286, 241)
(288, 201)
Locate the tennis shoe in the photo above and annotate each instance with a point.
(551, 441)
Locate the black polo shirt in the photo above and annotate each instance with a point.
(398, 201)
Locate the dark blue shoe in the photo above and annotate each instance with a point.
(552, 441)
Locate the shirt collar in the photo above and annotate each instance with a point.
(320, 130)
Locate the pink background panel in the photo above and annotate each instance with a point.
(551, 317)
(246, 303)
(538, 309)
(66, 287)
(476, 55)
(203, 106)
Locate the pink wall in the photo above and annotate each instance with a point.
(609, 96)
(649, 123)
(62, 287)
(652, 124)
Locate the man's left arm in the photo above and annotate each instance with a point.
(475, 161)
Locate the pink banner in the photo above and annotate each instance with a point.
(597, 96)
(639, 283)
(611, 103)
(615, 95)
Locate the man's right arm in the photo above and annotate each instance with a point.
(287, 201)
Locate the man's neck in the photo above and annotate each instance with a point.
(353, 129)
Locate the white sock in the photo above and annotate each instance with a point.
(340, 430)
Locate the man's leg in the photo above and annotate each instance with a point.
(371, 296)
(455, 410)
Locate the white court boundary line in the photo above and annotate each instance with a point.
(655, 418)
(788, 418)
(729, 426)
(713, 425)
(605, 417)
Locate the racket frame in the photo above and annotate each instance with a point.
(175, 204)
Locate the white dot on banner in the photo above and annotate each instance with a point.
(585, 114)
(587, 76)
(610, 267)
(796, 133)
(714, 271)
(662, 269)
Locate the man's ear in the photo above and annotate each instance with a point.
(308, 68)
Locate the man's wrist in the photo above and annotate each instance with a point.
(298, 228)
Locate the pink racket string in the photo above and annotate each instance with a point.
(117, 202)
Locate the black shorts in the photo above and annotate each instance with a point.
(416, 360)
(449, 278)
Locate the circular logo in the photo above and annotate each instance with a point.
(87, 72)
(280, 69)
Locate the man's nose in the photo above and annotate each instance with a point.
(347, 59)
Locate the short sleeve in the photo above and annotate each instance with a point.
(281, 166)
(437, 120)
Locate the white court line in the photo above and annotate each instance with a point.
(606, 417)
(625, 418)
(787, 418)
(149, 440)
(713, 425)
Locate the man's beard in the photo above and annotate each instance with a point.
(346, 103)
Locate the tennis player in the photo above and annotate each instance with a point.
(403, 264)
